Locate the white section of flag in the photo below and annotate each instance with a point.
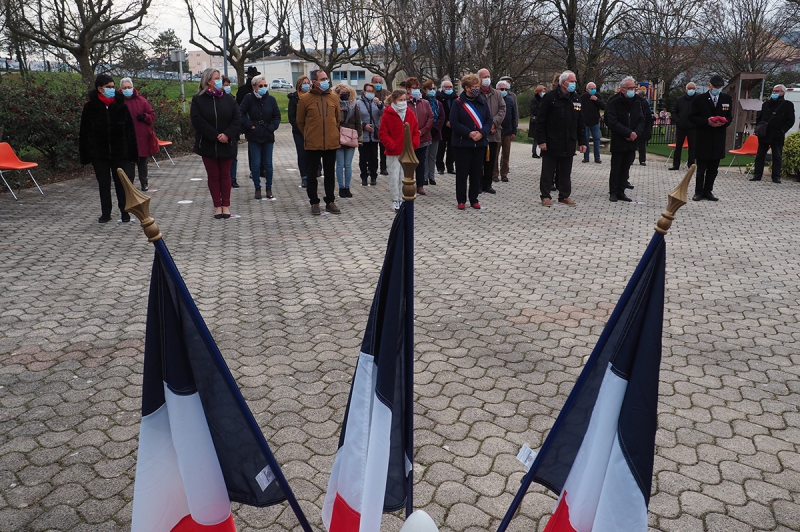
(361, 465)
(602, 494)
(177, 470)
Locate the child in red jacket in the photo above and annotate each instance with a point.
(392, 136)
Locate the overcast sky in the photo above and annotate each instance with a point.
(172, 14)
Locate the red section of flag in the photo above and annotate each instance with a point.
(187, 524)
(559, 521)
(344, 518)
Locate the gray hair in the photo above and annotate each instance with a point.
(257, 80)
(780, 86)
(205, 77)
(565, 76)
(502, 82)
(123, 80)
(625, 80)
(691, 83)
(590, 83)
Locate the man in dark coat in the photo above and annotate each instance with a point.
(625, 119)
(533, 110)
(247, 88)
(559, 128)
(445, 157)
(711, 114)
(779, 115)
(591, 105)
(684, 129)
(647, 134)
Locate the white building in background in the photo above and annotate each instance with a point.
(288, 67)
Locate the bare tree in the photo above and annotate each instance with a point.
(80, 29)
(252, 27)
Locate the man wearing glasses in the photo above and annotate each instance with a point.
(626, 122)
(778, 113)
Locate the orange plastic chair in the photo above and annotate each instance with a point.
(162, 144)
(10, 161)
(673, 145)
(750, 147)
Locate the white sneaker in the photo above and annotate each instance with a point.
(396, 206)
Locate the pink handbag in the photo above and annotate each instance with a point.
(348, 137)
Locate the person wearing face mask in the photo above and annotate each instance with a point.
(591, 105)
(649, 119)
(392, 136)
(216, 120)
(429, 93)
(497, 107)
(422, 109)
(626, 122)
(226, 88)
(318, 117)
(260, 119)
(471, 122)
(559, 128)
(533, 109)
(246, 87)
(684, 128)
(382, 92)
(444, 154)
(143, 119)
(350, 118)
(303, 86)
(711, 114)
(508, 130)
(107, 139)
(779, 115)
(371, 109)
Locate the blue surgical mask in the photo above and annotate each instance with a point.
(127, 92)
(448, 91)
(716, 92)
(218, 84)
(592, 91)
(369, 95)
(262, 91)
(324, 85)
(774, 95)
(503, 93)
(431, 93)
(630, 94)
(416, 93)
(109, 93)
(378, 86)
(571, 86)
(227, 89)
(690, 92)
(305, 87)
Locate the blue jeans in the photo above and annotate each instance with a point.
(260, 158)
(595, 136)
(344, 166)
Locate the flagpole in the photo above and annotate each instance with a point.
(138, 204)
(675, 200)
(409, 161)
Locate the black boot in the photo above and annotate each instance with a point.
(258, 193)
(268, 193)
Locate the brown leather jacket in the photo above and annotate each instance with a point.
(318, 115)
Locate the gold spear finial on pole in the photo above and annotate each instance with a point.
(677, 199)
(410, 162)
(138, 204)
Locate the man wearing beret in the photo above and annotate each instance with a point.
(711, 114)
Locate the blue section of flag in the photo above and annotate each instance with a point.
(631, 344)
(180, 351)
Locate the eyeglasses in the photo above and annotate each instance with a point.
(262, 86)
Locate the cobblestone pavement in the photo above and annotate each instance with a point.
(510, 302)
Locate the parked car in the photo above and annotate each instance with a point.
(281, 83)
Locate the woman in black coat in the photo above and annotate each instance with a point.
(260, 118)
(215, 118)
(536, 102)
(108, 141)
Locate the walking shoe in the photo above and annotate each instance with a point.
(585, 161)
(431, 181)
(425, 183)
(710, 196)
(628, 185)
(697, 197)
(613, 197)
(776, 180)
(535, 156)
(145, 189)
(303, 182)
(440, 170)
(451, 171)
(258, 193)
(268, 193)
(547, 202)
(567, 201)
(234, 184)
(384, 172)
(461, 206)
(674, 168)
(421, 191)
(623, 197)
(364, 182)
(373, 182)
(332, 208)
(504, 179)
(754, 178)
(396, 206)
(495, 179)
(315, 209)
(476, 205)
(642, 163)
(126, 217)
(598, 161)
(490, 190)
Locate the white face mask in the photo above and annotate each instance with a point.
(486, 82)
(400, 106)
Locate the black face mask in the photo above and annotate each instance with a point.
(344, 97)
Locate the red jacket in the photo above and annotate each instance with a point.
(138, 105)
(392, 133)
(424, 114)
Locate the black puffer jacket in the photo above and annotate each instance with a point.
(107, 132)
(210, 117)
(623, 117)
(260, 118)
(560, 123)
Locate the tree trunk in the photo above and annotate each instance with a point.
(87, 72)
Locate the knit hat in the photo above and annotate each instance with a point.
(103, 79)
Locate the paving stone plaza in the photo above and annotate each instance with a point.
(510, 301)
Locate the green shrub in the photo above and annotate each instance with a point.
(791, 155)
(171, 122)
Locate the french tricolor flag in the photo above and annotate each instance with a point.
(599, 454)
(371, 468)
(199, 445)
